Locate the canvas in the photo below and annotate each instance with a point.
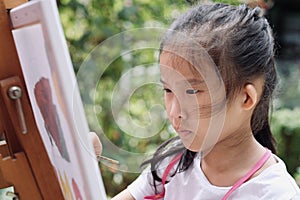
(55, 98)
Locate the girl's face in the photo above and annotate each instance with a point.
(194, 101)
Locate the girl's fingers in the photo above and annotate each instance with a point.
(96, 143)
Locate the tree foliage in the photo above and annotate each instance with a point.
(88, 23)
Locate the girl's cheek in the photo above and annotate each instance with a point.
(167, 104)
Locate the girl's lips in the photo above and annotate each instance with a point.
(184, 133)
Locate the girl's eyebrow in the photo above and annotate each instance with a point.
(191, 81)
(163, 82)
(194, 81)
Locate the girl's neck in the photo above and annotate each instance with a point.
(225, 164)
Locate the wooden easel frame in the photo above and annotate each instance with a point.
(24, 162)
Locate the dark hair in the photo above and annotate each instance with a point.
(239, 40)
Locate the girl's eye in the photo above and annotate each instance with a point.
(192, 91)
(167, 90)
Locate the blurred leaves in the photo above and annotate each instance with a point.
(285, 122)
(286, 128)
(89, 23)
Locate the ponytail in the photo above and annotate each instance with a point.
(260, 124)
(265, 137)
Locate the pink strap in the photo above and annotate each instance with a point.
(164, 178)
(257, 166)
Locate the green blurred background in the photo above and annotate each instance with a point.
(88, 23)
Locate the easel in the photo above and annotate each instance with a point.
(24, 163)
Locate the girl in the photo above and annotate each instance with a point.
(218, 73)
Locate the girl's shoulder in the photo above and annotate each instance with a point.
(275, 171)
(144, 184)
(275, 181)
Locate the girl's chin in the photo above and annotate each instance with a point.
(197, 147)
(191, 146)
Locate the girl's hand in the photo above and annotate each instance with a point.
(96, 144)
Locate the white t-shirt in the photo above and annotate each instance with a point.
(274, 183)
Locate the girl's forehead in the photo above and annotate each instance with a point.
(173, 59)
(171, 63)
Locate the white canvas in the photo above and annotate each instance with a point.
(55, 99)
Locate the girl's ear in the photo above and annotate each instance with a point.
(250, 96)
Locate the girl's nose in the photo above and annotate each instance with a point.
(175, 113)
